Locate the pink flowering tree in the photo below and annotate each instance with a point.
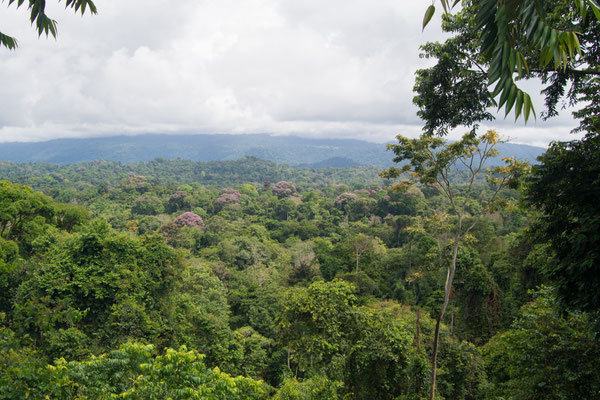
(344, 199)
(189, 219)
(283, 189)
(227, 197)
(134, 182)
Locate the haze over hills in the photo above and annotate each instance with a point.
(291, 150)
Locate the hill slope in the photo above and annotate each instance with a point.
(294, 151)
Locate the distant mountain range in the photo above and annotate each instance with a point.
(291, 150)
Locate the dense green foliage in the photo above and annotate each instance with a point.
(283, 283)
(565, 190)
(325, 292)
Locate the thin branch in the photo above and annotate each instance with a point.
(571, 71)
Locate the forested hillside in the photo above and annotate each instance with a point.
(292, 150)
(190, 268)
(165, 279)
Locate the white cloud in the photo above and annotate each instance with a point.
(312, 68)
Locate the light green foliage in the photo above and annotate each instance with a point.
(256, 349)
(134, 371)
(198, 316)
(22, 372)
(316, 321)
(248, 189)
(478, 303)
(304, 265)
(68, 216)
(24, 214)
(377, 360)
(316, 388)
(462, 371)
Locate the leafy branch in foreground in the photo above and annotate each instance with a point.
(43, 23)
(510, 29)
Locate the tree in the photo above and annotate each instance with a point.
(81, 296)
(360, 245)
(284, 189)
(316, 322)
(134, 371)
(190, 219)
(328, 334)
(558, 42)
(147, 204)
(545, 355)
(316, 388)
(512, 30)
(565, 189)
(431, 161)
(43, 23)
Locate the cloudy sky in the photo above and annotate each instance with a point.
(311, 68)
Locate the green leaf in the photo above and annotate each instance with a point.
(505, 54)
(595, 9)
(486, 13)
(512, 60)
(8, 41)
(519, 106)
(539, 31)
(428, 14)
(527, 107)
(512, 96)
(506, 91)
(533, 25)
(499, 86)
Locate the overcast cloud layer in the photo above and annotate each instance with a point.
(312, 68)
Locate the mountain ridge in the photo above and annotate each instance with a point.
(292, 150)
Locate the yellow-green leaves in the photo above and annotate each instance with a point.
(447, 5)
(428, 14)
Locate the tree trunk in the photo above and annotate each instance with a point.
(452, 320)
(418, 330)
(447, 289)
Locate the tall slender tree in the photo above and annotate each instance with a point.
(432, 160)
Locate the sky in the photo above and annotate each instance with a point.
(312, 68)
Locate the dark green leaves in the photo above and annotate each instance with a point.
(82, 5)
(508, 31)
(43, 23)
(8, 42)
(452, 92)
(564, 187)
(506, 27)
